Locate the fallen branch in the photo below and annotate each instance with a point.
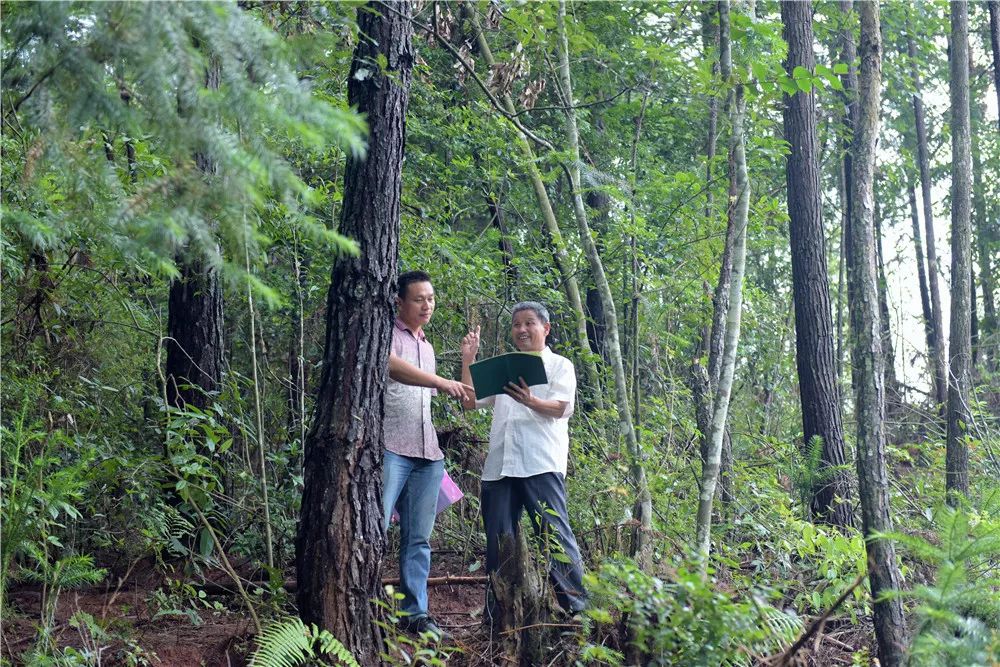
(447, 580)
(784, 658)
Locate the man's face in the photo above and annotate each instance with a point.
(417, 305)
(528, 331)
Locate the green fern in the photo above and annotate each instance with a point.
(959, 614)
(807, 472)
(290, 643)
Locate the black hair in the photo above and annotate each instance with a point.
(406, 279)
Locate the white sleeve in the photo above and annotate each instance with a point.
(562, 386)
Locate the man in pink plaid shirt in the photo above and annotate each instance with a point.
(413, 463)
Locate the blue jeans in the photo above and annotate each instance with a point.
(411, 486)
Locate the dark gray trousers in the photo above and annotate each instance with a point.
(505, 499)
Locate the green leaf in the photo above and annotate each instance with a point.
(803, 78)
(788, 84)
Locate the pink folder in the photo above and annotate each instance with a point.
(448, 494)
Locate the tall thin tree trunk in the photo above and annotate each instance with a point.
(340, 542)
(555, 238)
(923, 160)
(506, 247)
(983, 234)
(994, 7)
(735, 108)
(866, 355)
(845, 216)
(720, 300)
(848, 54)
(597, 326)
(918, 247)
(891, 387)
(817, 369)
(710, 46)
(960, 350)
(642, 545)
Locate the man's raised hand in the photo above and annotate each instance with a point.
(470, 345)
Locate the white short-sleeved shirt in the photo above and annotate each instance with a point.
(523, 442)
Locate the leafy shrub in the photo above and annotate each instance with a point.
(684, 621)
(959, 614)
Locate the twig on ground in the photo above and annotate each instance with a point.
(785, 657)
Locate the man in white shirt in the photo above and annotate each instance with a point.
(529, 447)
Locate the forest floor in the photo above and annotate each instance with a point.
(154, 618)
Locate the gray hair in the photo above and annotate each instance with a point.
(539, 309)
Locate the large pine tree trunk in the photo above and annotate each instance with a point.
(194, 314)
(340, 543)
(960, 350)
(194, 329)
(923, 161)
(642, 545)
(735, 108)
(817, 368)
(866, 354)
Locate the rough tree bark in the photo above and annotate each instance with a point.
(642, 544)
(923, 161)
(340, 543)
(960, 345)
(194, 314)
(815, 359)
(866, 354)
(735, 108)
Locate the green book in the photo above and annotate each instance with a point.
(490, 376)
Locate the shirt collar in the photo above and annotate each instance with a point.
(401, 325)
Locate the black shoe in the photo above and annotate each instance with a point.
(421, 624)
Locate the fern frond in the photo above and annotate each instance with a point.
(290, 643)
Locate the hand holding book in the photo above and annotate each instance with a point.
(509, 373)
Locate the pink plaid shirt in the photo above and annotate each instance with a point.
(407, 428)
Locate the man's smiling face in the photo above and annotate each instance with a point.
(528, 331)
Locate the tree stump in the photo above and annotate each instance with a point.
(524, 602)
